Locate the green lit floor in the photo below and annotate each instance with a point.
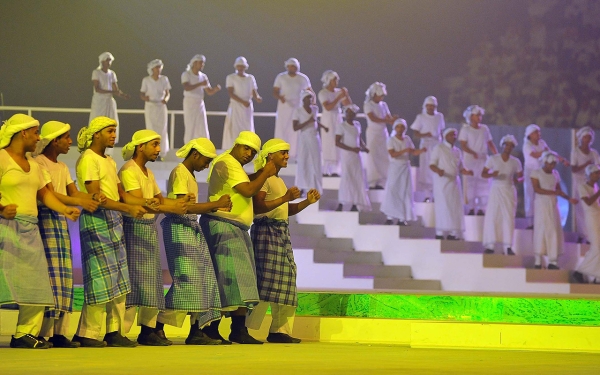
(305, 358)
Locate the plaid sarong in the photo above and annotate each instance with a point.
(103, 256)
(57, 246)
(194, 287)
(143, 261)
(233, 258)
(23, 266)
(275, 266)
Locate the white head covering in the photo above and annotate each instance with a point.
(241, 61)
(397, 122)
(139, 138)
(353, 107)
(430, 100)
(472, 110)
(105, 56)
(85, 135)
(292, 61)
(508, 138)
(246, 138)
(194, 59)
(376, 88)
(548, 157)
(531, 128)
(152, 64)
(50, 131)
(203, 145)
(448, 130)
(591, 169)
(583, 132)
(328, 76)
(14, 125)
(270, 146)
(306, 93)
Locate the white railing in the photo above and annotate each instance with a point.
(171, 112)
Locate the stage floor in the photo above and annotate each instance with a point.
(305, 358)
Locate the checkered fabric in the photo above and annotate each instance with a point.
(54, 231)
(233, 258)
(103, 256)
(194, 287)
(275, 266)
(143, 261)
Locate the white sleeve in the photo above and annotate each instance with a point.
(416, 125)
(167, 83)
(277, 82)
(228, 81)
(144, 88)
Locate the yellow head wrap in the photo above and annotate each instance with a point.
(246, 138)
(50, 131)
(85, 135)
(14, 125)
(203, 145)
(270, 146)
(139, 138)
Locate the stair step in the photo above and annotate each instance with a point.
(406, 284)
(337, 244)
(507, 261)
(370, 270)
(355, 257)
(304, 242)
(309, 230)
(547, 276)
(453, 246)
(417, 231)
(585, 288)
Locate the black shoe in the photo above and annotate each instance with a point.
(530, 227)
(480, 213)
(335, 175)
(28, 342)
(402, 223)
(509, 251)
(85, 342)
(282, 338)
(326, 175)
(537, 267)
(161, 333)
(117, 340)
(488, 251)
(389, 222)
(215, 335)
(243, 337)
(152, 339)
(452, 238)
(427, 200)
(580, 239)
(353, 208)
(339, 207)
(60, 341)
(578, 277)
(439, 237)
(553, 267)
(41, 338)
(471, 213)
(199, 338)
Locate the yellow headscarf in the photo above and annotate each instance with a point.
(246, 138)
(270, 146)
(84, 137)
(50, 131)
(203, 145)
(14, 125)
(139, 138)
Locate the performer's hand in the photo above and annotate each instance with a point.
(258, 99)
(344, 91)
(72, 213)
(137, 211)
(573, 200)
(566, 163)
(246, 103)
(9, 211)
(180, 207)
(152, 203)
(292, 193)
(100, 198)
(364, 149)
(313, 196)
(475, 155)
(270, 168)
(190, 197)
(282, 98)
(217, 88)
(495, 174)
(441, 173)
(469, 173)
(326, 129)
(225, 203)
(163, 101)
(89, 204)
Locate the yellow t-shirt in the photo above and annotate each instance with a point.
(58, 172)
(20, 187)
(181, 182)
(93, 167)
(275, 188)
(226, 174)
(133, 178)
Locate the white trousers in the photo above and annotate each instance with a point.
(145, 316)
(176, 317)
(90, 323)
(56, 326)
(29, 321)
(282, 317)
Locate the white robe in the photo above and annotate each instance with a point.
(330, 119)
(155, 111)
(590, 265)
(194, 111)
(378, 159)
(530, 164)
(499, 220)
(291, 88)
(579, 158)
(547, 231)
(308, 170)
(398, 200)
(353, 186)
(433, 124)
(239, 118)
(447, 190)
(104, 104)
(476, 188)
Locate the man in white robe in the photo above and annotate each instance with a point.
(589, 194)
(446, 163)
(286, 89)
(155, 92)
